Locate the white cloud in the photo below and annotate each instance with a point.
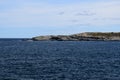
(44, 14)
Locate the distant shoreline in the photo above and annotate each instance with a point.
(86, 36)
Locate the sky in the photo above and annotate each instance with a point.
(29, 18)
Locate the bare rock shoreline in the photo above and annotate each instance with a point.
(86, 36)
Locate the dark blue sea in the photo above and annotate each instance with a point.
(59, 60)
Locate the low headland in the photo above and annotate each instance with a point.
(86, 36)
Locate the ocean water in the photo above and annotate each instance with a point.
(59, 60)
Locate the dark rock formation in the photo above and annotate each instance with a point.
(87, 36)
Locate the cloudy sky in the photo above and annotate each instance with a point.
(28, 18)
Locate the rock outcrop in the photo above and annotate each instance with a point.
(87, 36)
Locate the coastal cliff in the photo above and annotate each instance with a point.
(87, 36)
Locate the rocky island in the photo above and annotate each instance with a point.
(86, 36)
